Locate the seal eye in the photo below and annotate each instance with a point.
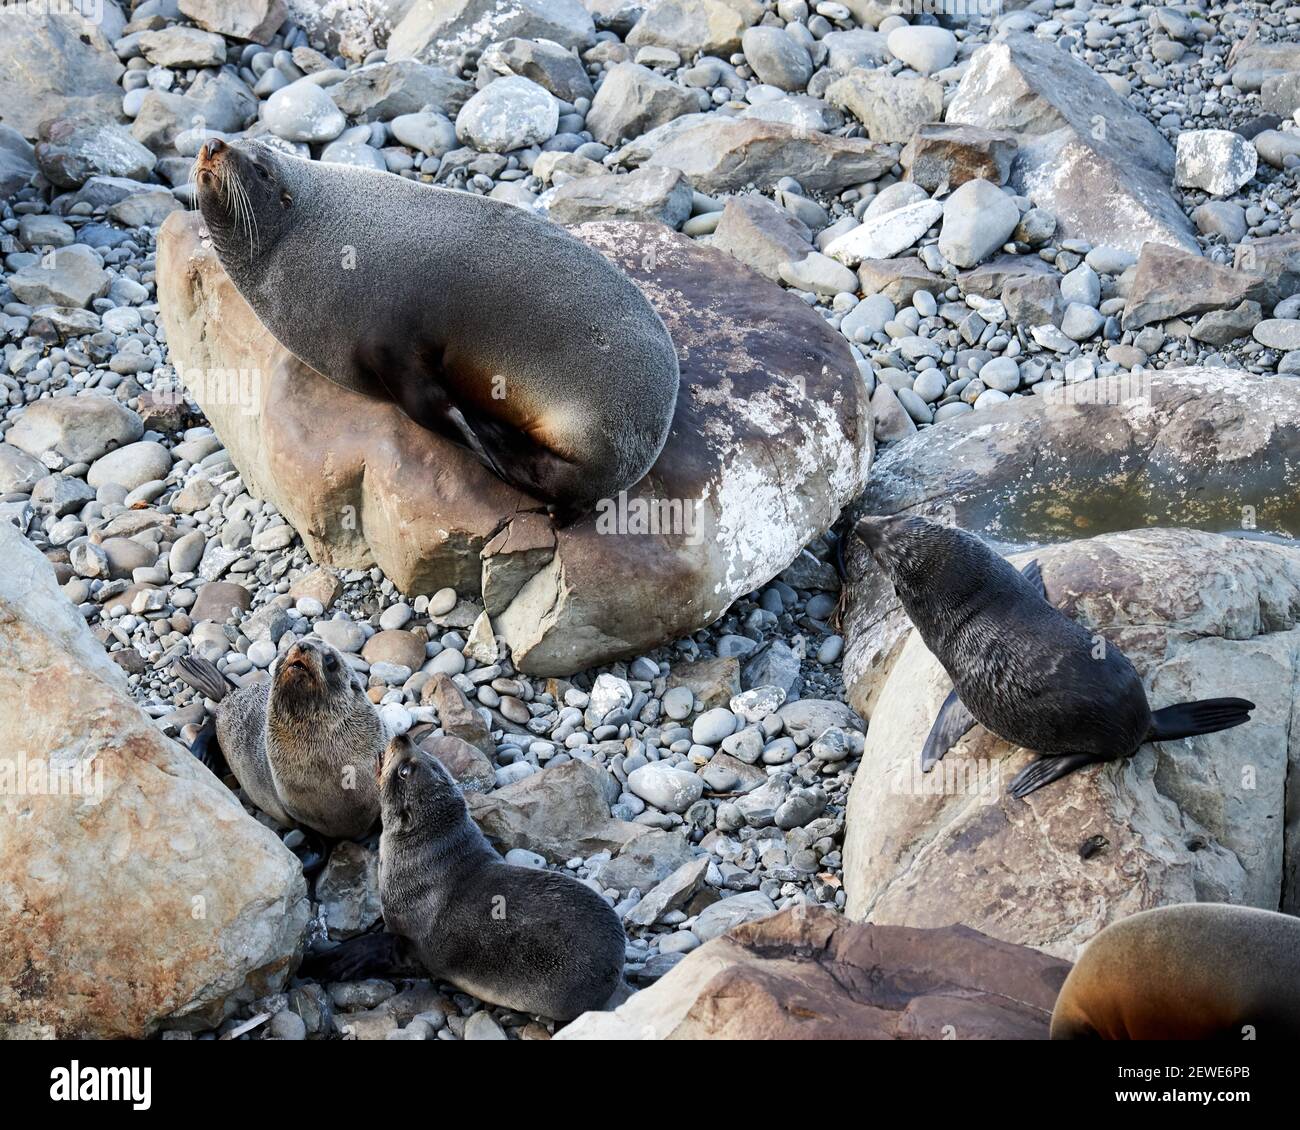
(404, 771)
(330, 663)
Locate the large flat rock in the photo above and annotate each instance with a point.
(771, 437)
(807, 974)
(1085, 155)
(141, 895)
(1204, 819)
(55, 64)
(1214, 449)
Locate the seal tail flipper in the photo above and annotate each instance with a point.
(203, 676)
(1046, 770)
(952, 721)
(1207, 716)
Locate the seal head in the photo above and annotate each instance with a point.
(245, 197)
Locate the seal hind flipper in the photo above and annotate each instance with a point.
(1046, 770)
(207, 748)
(1033, 573)
(952, 721)
(1206, 716)
(203, 675)
(371, 955)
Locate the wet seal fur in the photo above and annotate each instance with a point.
(1195, 971)
(304, 744)
(531, 940)
(481, 321)
(1019, 667)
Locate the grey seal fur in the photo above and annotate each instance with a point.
(303, 744)
(532, 940)
(482, 321)
(1019, 667)
(1194, 971)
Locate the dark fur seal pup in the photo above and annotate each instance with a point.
(305, 744)
(534, 941)
(1018, 666)
(483, 322)
(1196, 971)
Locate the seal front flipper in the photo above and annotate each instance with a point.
(952, 722)
(1046, 770)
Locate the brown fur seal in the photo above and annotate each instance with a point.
(305, 744)
(482, 321)
(1196, 971)
(1019, 667)
(531, 940)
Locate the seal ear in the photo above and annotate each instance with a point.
(286, 201)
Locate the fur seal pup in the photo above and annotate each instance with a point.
(482, 321)
(1195, 971)
(535, 941)
(1019, 667)
(304, 744)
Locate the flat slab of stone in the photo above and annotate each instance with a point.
(1204, 819)
(807, 974)
(771, 438)
(1085, 154)
(1214, 449)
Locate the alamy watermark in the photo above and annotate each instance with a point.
(676, 517)
(1116, 388)
(240, 388)
(979, 777)
(35, 776)
(92, 11)
(959, 9)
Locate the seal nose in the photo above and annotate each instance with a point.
(211, 148)
(868, 529)
(299, 655)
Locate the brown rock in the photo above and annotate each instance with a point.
(466, 763)
(216, 598)
(897, 279)
(1277, 258)
(807, 974)
(944, 156)
(770, 440)
(1170, 281)
(320, 584)
(713, 681)
(141, 894)
(559, 812)
(404, 648)
(457, 715)
(720, 154)
(760, 234)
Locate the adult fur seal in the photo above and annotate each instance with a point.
(1195, 971)
(531, 940)
(1018, 666)
(483, 322)
(305, 744)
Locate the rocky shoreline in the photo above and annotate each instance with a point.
(942, 242)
